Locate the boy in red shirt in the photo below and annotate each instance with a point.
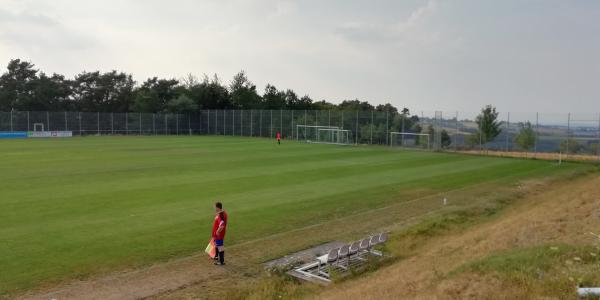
(278, 136)
(218, 233)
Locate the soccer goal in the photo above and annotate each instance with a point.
(410, 140)
(310, 133)
(38, 126)
(333, 136)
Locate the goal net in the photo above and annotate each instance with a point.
(310, 133)
(410, 140)
(333, 136)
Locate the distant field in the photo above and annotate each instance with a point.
(76, 207)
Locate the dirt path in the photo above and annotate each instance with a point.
(564, 213)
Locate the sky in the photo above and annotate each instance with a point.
(518, 55)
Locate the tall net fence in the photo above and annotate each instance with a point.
(568, 133)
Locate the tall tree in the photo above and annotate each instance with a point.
(243, 92)
(154, 94)
(103, 92)
(526, 137)
(17, 85)
(274, 99)
(488, 124)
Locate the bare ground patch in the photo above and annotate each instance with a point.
(562, 213)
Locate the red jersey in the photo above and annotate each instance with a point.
(220, 220)
(278, 136)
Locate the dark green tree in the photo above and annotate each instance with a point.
(526, 137)
(17, 85)
(488, 126)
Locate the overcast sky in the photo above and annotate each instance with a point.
(521, 55)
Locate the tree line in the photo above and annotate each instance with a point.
(25, 88)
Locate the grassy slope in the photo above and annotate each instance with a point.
(80, 206)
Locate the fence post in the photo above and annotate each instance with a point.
(507, 130)
(271, 134)
(329, 119)
(176, 124)
(568, 133)
(11, 120)
(241, 123)
(251, 123)
(189, 124)
(126, 123)
(66, 125)
(154, 123)
(79, 123)
(356, 139)
(402, 135)
(292, 124)
(233, 122)
(166, 125)
(305, 122)
(97, 120)
(598, 133)
(140, 122)
(456, 134)
(316, 118)
(112, 123)
(224, 114)
(371, 142)
(281, 121)
(387, 128)
(535, 141)
(47, 121)
(260, 121)
(28, 128)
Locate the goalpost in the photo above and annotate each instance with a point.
(333, 136)
(310, 133)
(410, 140)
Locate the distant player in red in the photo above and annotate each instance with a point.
(278, 136)
(218, 233)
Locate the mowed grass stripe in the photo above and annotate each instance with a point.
(86, 205)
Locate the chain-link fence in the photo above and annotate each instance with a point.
(567, 133)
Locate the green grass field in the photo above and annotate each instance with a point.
(77, 207)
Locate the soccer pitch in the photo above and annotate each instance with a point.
(80, 206)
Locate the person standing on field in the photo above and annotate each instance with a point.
(218, 233)
(278, 136)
